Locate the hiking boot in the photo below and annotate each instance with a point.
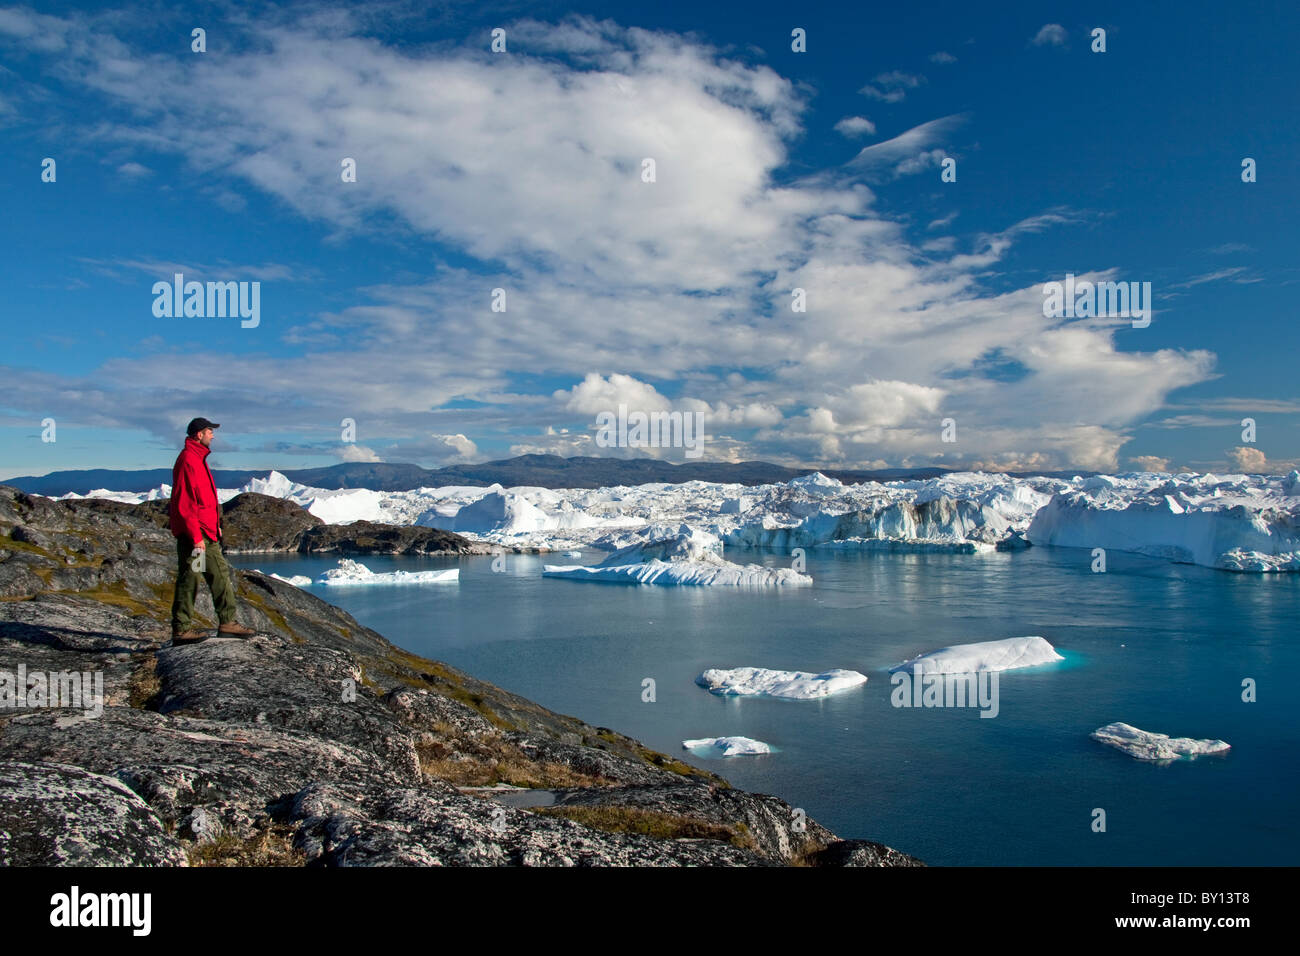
(234, 629)
(188, 637)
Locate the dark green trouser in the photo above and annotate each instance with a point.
(218, 576)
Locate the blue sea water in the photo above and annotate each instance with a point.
(1162, 646)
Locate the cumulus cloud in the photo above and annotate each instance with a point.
(1151, 463)
(942, 57)
(1248, 460)
(596, 394)
(354, 452)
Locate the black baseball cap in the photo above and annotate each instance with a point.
(197, 425)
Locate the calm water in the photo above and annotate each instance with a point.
(1162, 646)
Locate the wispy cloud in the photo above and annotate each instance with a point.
(892, 87)
(1050, 34)
(1237, 274)
(910, 151)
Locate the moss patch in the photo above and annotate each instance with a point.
(652, 823)
(488, 761)
(278, 620)
(117, 596)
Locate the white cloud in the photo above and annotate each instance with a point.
(532, 168)
(907, 152)
(856, 126)
(942, 57)
(1248, 460)
(892, 87)
(1150, 463)
(596, 394)
(1050, 34)
(353, 452)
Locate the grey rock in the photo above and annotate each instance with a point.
(862, 853)
(53, 814)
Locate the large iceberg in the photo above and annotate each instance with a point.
(726, 746)
(351, 572)
(791, 685)
(1145, 745)
(1006, 654)
(1237, 523)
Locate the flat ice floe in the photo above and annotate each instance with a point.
(1000, 655)
(297, 580)
(1145, 745)
(790, 685)
(686, 558)
(354, 572)
(726, 746)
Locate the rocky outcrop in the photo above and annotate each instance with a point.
(252, 522)
(316, 742)
(368, 537)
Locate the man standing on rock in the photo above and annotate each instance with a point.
(196, 522)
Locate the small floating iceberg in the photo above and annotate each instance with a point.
(297, 580)
(1001, 655)
(354, 572)
(1145, 745)
(725, 746)
(688, 558)
(790, 685)
(697, 573)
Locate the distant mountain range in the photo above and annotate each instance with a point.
(546, 471)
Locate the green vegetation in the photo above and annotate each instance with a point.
(488, 761)
(653, 823)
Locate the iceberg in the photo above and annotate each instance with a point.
(790, 685)
(1235, 524)
(297, 580)
(351, 572)
(691, 557)
(683, 573)
(1145, 745)
(726, 746)
(1007, 654)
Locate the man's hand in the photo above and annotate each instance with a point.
(199, 545)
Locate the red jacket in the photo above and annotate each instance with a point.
(194, 508)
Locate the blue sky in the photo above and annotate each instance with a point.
(774, 170)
